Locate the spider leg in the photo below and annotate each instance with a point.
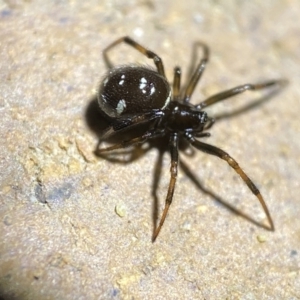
(202, 134)
(130, 121)
(237, 90)
(197, 73)
(156, 177)
(124, 144)
(176, 83)
(173, 171)
(127, 40)
(232, 163)
(210, 123)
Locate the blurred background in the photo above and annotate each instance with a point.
(74, 226)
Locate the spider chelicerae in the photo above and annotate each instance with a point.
(131, 96)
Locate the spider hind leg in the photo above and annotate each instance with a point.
(233, 164)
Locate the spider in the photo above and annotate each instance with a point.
(131, 96)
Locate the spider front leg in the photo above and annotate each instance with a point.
(232, 163)
(173, 171)
(127, 40)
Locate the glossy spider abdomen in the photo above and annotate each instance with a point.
(132, 90)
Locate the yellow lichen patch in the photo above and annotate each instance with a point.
(74, 166)
(87, 182)
(202, 209)
(120, 210)
(54, 159)
(84, 151)
(63, 143)
(127, 280)
(261, 238)
(51, 170)
(6, 189)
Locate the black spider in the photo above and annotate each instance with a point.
(134, 95)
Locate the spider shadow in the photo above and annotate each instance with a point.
(97, 122)
(250, 106)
